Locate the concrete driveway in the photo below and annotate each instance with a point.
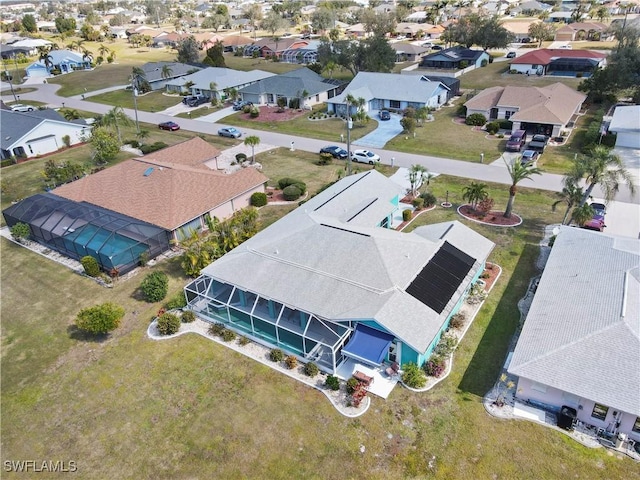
(217, 116)
(386, 130)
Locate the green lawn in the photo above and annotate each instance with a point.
(497, 74)
(128, 407)
(149, 102)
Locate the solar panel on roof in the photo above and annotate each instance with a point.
(440, 278)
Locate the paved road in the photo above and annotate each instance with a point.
(483, 172)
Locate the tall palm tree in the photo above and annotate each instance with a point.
(570, 195)
(103, 50)
(582, 214)
(417, 176)
(87, 56)
(330, 67)
(138, 78)
(474, 193)
(114, 118)
(600, 167)
(166, 72)
(213, 86)
(252, 141)
(518, 173)
(44, 55)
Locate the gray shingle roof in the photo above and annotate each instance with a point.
(370, 85)
(290, 84)
(223, 77)
(582, 333)
(153, 70)
(341, 270)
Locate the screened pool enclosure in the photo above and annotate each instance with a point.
(77, 229)
(269, 322)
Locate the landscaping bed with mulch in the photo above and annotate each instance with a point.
(272, 114)
(494, 217)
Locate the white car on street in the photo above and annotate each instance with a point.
(364, 156)
(18, 107)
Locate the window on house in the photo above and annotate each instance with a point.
(636, 426)
(394, 103)
(508, 114)
(600, 411)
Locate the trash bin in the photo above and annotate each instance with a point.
(620, 439)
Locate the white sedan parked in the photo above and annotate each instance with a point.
(364, 156)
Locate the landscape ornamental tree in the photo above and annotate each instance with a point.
(518, 172)
(154, 286)
(105, 146)
(100, 319)
(20, 231)
(168, 324)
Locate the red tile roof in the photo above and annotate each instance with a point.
(167, 188)
(545, 55)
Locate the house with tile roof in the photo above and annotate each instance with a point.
(329, 283)
(174, 188)
(30, 134)
(580, 343)
(547, 109)
(199, 83)
(270, 47)
(64, 61)
(391, 91)
(291, 86)
(407, 52)
(592, 31)
(559, 62)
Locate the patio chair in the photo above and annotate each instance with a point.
(393, 369)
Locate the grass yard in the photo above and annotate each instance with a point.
(129, 407)
(329, 129)
(149, 102)
(497, 74)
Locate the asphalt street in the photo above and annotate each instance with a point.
(485, 172)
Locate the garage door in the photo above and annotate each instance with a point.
(629, 140)
(42, 145)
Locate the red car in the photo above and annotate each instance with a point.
(595, 224)
(171, 126)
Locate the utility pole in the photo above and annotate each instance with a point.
(349, 125)
(134, 90)
(10, 78)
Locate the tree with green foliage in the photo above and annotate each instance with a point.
(105, 146)
(322, 19)
(600, 167)
(541, 31)
(100, 319)
(273, 22)
(29, 23)
(253, 13)
(64, 25)
(166, 71)
(417, 176)
(168, 324)
(188, 51)
(518, 172)
(20, 231)
(474, 193)
(154, 286)
(474, 29)
(114, 118)
(215, 56)
(571, 195)
(252, 141)
(215, 21)
(408, 124)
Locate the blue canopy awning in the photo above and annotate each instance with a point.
(368, 345)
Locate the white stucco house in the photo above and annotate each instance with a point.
(29, 134)
(626, 124)
(580, 343)
(391, 91)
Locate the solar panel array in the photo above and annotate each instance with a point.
(440, 278)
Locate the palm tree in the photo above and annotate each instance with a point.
(44, 55)
(87, 56)
(114, 118)
(103, 50)
(213, 86)
(570, 195)
(252, 141)
(304, 94)
(142, 135)
(582, 214)
(167, 71)
(600, 167)
(518, 172)
(330, 67)
(70, 114)
(138, 78)
(475, 193)
(417, 176)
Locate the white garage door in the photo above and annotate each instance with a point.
(629, 140)
(42, 145)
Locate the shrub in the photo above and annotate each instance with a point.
(446, 345)
(285, 182)
(177, 301)
(311, 369)
(168, 324)
(465, 64)
(358, 395)
(485, 205)
(244, 341)
(216, 329)
(246, 109)
(276, 355)
(22, 231)
(258, 199)
(435, 367)
(133, 143)
(352, 384)
(325, 159)
(292, 192)
(6, 162)
(413, 376)
(153, 147)
(154, 286)
(90, 265)
(100, 319)
(484, 63)
(240, 157)
(66, 139)
(506, 124)
(228, 335)
(291, 362)
(143, 259)
(254, 112)
(457, 321)
(188, 316)
(332, 383)
(407, 215)
(476, 119)
(493, 127)
(418, 203)
(429, 199)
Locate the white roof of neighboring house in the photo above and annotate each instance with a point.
(223, 77)
(31, 43)
(327, 258)
(626, 119)
(370, 85)
(582, 332)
